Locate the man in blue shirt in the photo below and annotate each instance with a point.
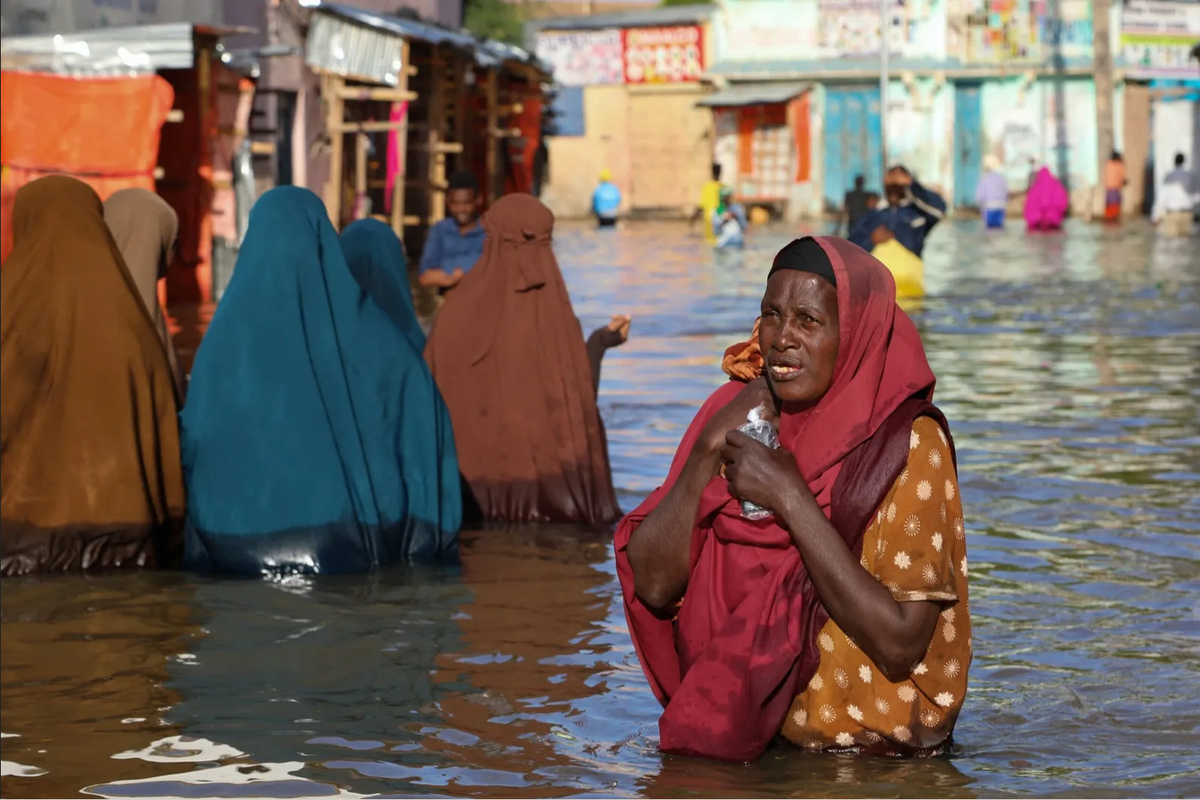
(456, 243)
(606, 201)
(910, 213)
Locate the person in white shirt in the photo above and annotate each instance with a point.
(1175, 203)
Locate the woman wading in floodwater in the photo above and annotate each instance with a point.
(841, 621)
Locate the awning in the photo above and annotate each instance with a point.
(111, 51)
(754, 94)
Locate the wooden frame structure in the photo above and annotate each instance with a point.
(459, 94)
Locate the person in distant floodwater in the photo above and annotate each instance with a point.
(911, 212)
(1114, 182)
(606, 201)
(1175, 203)
(855, 203)
(455, 243)
(710, 198)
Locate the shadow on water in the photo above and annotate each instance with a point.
(1068, 365)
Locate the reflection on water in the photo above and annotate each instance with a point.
(1068, 365)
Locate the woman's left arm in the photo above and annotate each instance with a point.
(894, 634)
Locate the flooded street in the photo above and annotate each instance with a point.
(1069, 366)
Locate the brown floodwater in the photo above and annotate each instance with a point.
(1069, 366)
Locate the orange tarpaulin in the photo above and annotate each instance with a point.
(104, 131)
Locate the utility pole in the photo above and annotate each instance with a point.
(884, 31)
(1105, 139)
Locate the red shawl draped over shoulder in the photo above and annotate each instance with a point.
(727, 669)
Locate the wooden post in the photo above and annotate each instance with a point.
(361, 145)
(460, 110)
(402, 145)
(437, 158)
(1102, 50)
(335, 117)
(493, 102)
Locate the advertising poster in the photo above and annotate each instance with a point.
(1157, 38)
(583, 58)
(663, 55)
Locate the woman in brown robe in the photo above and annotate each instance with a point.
(144, 226)
(90, 472)
(509, 357)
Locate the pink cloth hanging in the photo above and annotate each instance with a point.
(395, 164)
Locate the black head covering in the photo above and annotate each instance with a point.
(804, 255)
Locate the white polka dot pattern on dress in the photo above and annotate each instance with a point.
(914, 440)
(915, 546)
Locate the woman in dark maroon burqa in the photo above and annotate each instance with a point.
(509, 357)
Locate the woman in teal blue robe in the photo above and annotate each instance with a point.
(314, 438)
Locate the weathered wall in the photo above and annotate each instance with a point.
(1047, 122)
(920, 126)
(670, 148)
(576, 161)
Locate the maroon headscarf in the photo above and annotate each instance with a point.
(509, 357)
(727, 670)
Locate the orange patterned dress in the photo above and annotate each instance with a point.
(917, 548)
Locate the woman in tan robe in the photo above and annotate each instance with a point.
(510, 359)
(144, 226)
(90, 473)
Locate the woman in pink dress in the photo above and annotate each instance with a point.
(1047, 203)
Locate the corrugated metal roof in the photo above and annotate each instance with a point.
(402, 27)
(634, 18)
(373, 56)
(354, 50)
(753, 94)
(110, 51)
(492, 53)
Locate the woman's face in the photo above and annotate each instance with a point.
(798, 335)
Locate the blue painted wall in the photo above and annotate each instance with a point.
(851, 141)
(968, 142)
